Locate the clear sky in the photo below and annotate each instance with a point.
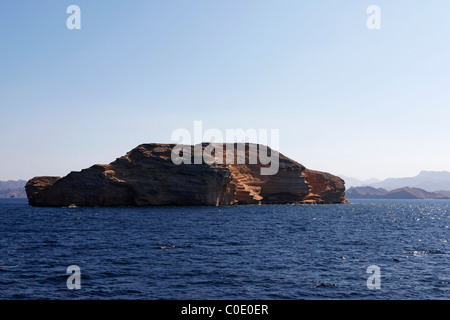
(346, 99)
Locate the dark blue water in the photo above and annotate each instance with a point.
(245, 252)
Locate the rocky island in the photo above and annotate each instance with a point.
(147, 176)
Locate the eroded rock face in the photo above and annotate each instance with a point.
(147, 176)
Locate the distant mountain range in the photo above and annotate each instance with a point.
(401, 193)
(431, 181)
(353, 182)
(12, 189)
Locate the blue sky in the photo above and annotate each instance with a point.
(346, 99)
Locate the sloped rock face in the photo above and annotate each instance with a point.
(325, 188)
(147, 176)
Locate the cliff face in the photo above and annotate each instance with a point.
(147, 176)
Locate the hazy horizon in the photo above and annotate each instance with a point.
(337, 174)
(345, 99)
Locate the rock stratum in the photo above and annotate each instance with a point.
(147, 176)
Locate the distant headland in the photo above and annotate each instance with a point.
(12, 189)
(149, 176)
(399, 193)
(426, 185)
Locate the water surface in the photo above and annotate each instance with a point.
(240, 252)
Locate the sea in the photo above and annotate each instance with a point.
(365, 250)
